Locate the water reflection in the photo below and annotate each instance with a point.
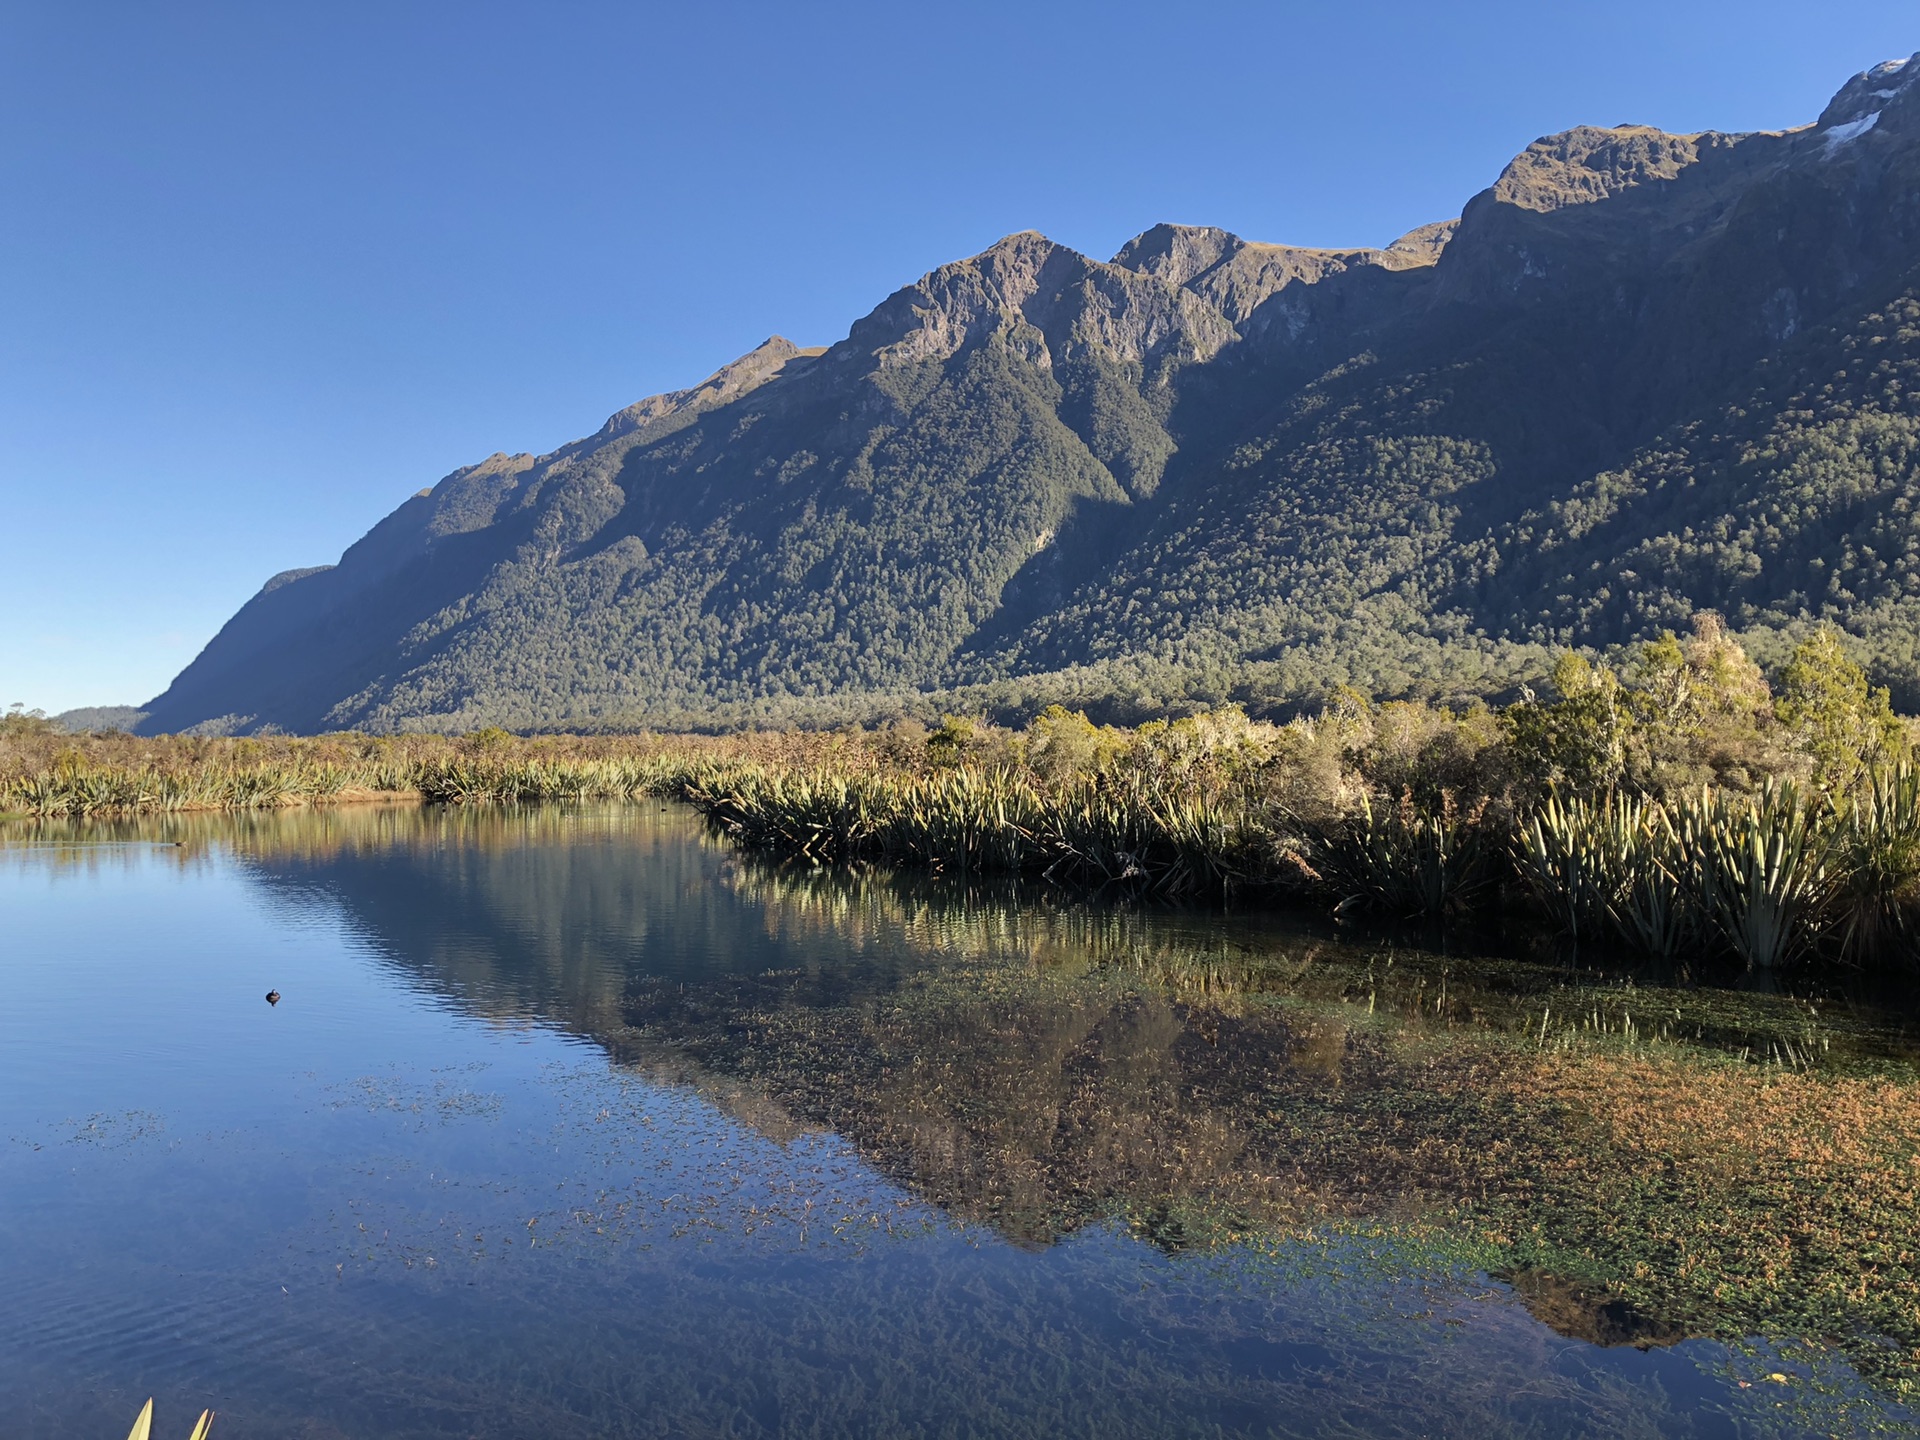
(1039, 1068)
(1373, 1128)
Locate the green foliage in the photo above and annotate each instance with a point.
(1579, 741)
(1762, 876)
(1703, 715)
(947, 745)
(1063, 744)
(1683, 715)
(1430, 752)
(1577, 859)
(20, 723)
(983, 822)
(1876, 899)
(1769, 872)
(1407, 861)
(489, 740)
(1840, 723)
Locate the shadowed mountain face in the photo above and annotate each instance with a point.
(1642, 375)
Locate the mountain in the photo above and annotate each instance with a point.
(90, 719)
(1643, 374)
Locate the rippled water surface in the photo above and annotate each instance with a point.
(572, 1123)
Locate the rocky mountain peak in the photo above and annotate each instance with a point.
(1178, 253)
(1869, 92)
(731, 380)
(1422, 246)
(1046, 299)
(1587, 163)
(1235, 276)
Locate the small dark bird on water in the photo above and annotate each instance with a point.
(273, 997)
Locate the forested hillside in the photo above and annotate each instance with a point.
(1644, 375)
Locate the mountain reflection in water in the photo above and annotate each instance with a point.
(1235, 1090)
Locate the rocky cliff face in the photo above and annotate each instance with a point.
(1207, 464)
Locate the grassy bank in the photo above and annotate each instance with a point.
(1688, 804)
(46, 773)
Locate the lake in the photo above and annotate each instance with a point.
(573, 1122)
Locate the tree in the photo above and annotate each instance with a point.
(20, 722)
(947, 745)
(1579, 741)
(1703, 714)
(1844, 726)
(1063, 743)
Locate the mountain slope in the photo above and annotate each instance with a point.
(1644, 373)
(1614, 293)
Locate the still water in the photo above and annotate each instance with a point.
(574, 1123)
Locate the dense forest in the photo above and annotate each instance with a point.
(1644, 375)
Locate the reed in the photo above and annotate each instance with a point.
(1558, 858)
(1768, 872)
(1758, 876)
(1620, 869)
(82, 790)
(458, 780)
(46, 773)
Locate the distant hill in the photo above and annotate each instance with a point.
(89, 719)
(1643, 374)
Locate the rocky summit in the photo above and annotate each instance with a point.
(1641, 376)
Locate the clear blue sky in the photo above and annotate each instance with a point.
(267, 269)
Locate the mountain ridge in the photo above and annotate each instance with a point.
(1208, 467)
